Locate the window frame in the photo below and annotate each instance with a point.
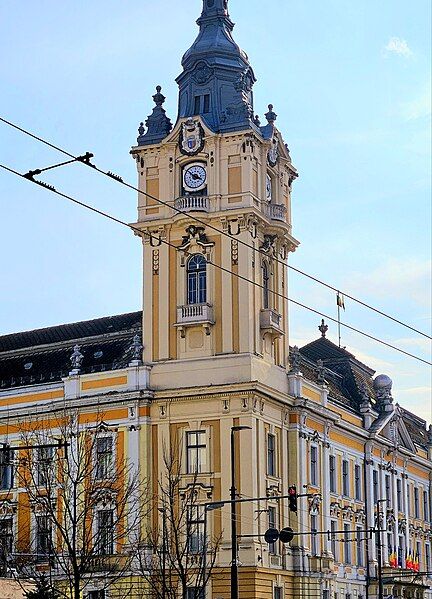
(272, 523)
(266, 284)
(197, 450)
(333, 540)
(416, 502)
(271, 454)
(360, 548)
(41, 533)
(109, 528)
(358, 487)
(6, 469)
(104, 467)
(332, 475)
(347, 543)
(345, 478)
(195, 526)
(7, 537)
(314, 453)
(314, 537)
(196, 280)
(44, 464)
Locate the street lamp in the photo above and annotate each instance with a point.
(234, 564)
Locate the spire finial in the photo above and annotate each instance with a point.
(158, 98)
(323, 328)
(158, 124)
(215, 7)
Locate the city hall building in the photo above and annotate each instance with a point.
(210, 351)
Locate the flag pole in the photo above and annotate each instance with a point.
(339, 320)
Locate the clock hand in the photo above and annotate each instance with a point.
(195, 176)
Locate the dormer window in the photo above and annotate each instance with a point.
(196, 279)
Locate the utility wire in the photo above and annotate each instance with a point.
(196, 219)
(226, 270)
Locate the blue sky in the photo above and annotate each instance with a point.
(350, 82)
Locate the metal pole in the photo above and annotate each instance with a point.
(234, 565)
(379, 550)
(204, 565)
(163, 510)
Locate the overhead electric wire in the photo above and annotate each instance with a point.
(196, 219)
(241, 277)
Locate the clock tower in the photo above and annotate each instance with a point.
(215, 216)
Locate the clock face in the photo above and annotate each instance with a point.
(194, 177)
(268, 188)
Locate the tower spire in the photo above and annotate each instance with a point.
(217, 79)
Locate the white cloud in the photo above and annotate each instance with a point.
(398, 46)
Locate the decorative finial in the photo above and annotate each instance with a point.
(76, 358)
(295, 358)
(270, 115)
(364, 395)
(257, 121)
(136, 349)
(323, 328)
(382, 386)
(321, 371)
(158, 98)
(141, 129)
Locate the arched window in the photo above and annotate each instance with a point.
(197, 280)
(266, 285)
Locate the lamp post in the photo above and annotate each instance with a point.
(379, 549)
(234, 564)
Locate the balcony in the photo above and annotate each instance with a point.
(275, 211)
(193, 315)
(192, 203)
(270, 322)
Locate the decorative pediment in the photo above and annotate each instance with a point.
(8, 508)
(195, 236)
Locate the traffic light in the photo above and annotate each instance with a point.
(292, 501)
(285, 535)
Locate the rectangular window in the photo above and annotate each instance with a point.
(388, 490)
(357, 479)
(104, 457)
(278, 593)
(195, 452)
(359, 543)
(418, 555)
(105, 532)
(195, 593)
(401, 550)
(426, 510)
(347, 544)
(326, 594)
(271, 455)
(332, 466)
(6, 537)
(334, 546)
(195, 528)
(399, 494)
(197, 105)
(416, 503)
(375, 485)
(206, 104)
(314, 465)
(43, 536)
(314, 543)
(408, 500)
(6, 467)
(272, 524)
(44, 465)
(427, 557)
(96, 595)
(345, 478)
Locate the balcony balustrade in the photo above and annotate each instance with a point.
(276, 211)
(271, 322)
(192, 203)
(195, 314)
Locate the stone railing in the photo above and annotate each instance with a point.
(195, 313)
(276, 211)
(192, 203)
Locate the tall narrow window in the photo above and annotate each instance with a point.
(278, 593)
(206, 104)
(266, 285)
(416, 503)
(401, 550)
(358, 486)
(197, 104)
(332, 468)
(388, 490)
(271, 455)
(6, 537)
(272, 524)
(359, 544)
(347, 544)
(195, 452)
(44, 465)
(427, 557)
(408, 500)
(195, 528)
(426, 508)
(375, 485)
(197, 279)
(399, 494)
(314, 540)
(104, 457)
(195, 593)
(6, 468)
(314, 465)
(334, 546)
(43, 536)
(345, 478)
(105, 533)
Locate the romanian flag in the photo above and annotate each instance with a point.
(340, 300)
(409, 561)
(394, 559)
(416, 564)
